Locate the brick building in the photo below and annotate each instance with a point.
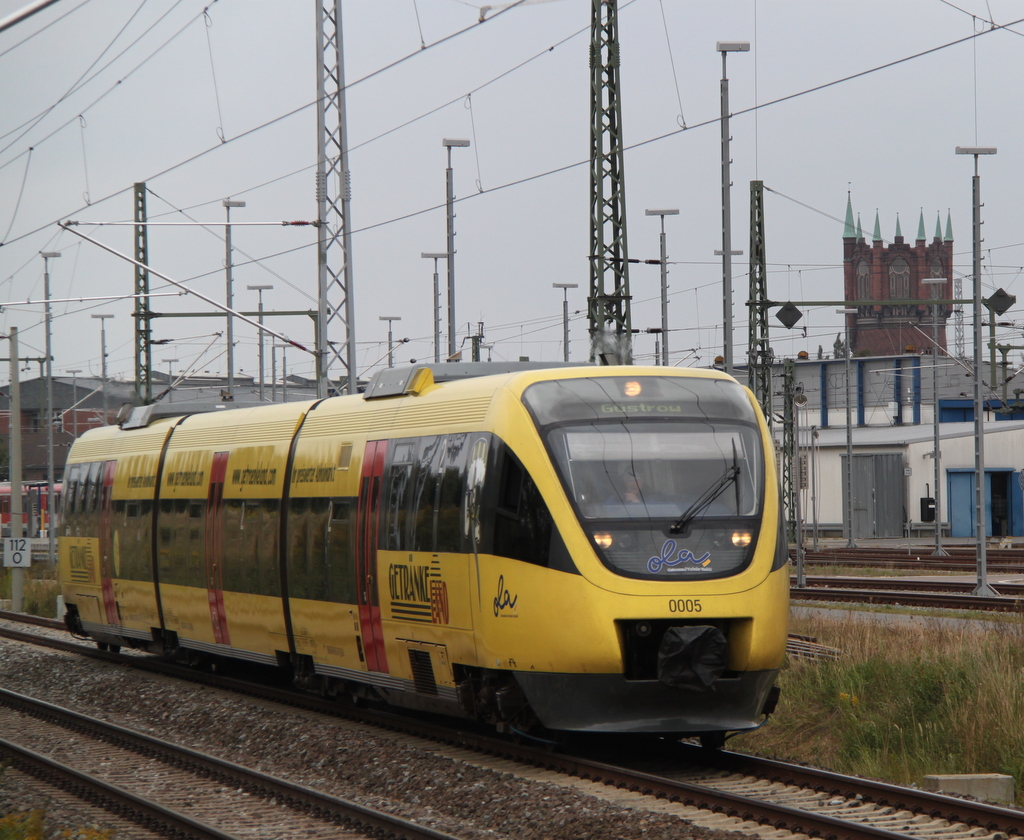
(886, 281)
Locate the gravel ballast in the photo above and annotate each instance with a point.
(349, 761)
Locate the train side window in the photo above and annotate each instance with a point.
(267, 522)
(424, 496)
(394, 503)
(94, 487)
(452, 481)
(340, 566)
(522, 523)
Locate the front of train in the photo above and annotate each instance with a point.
(663, 487)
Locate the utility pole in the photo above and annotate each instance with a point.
(437, 303)
(51, 506)
(260, 289)
(726, 47)
(17, 529)
(103, 362)
(608, 303)
(228, 296)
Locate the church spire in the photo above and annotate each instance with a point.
(860, 230)
(848, 231)
(920, 227)
(949, 228)
(898, 231)
(877, 235)
(938, 226)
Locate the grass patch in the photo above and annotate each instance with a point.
(40, 593)
(903, 702)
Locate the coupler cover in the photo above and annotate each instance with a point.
(691, 657)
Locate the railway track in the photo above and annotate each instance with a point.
(918, 558)
(724, 790)
(172, 789)
(934, 594)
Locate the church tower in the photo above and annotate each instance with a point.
(893, 314)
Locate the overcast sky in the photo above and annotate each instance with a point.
(97, 96)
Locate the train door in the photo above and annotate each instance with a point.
(108, 568)
(366, 556)
(215, 548)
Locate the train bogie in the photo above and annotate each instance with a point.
(590, 549)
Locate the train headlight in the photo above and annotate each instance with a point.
(603, 540)
(741, 539)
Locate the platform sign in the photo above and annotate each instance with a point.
(18, 552)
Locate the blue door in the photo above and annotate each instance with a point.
(1004, 503)
(960, 496)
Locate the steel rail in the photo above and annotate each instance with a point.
(933, 600)
(109, 797)
(297, 797)
(1015, 590)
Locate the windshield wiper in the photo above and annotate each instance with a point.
(707, 497)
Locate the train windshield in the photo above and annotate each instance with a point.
(666, 474)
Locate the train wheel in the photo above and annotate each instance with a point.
(115, 648)
(102, 646)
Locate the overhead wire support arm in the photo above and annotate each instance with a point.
(225, 309)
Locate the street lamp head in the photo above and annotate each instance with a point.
(433, 256)
(849, 310)
(449, 142)
(975, 150)
(933, 281)
(259, 287)
(102, 316)
(389, 318)
(733, 46)
(565, 285)
(227, 202)
(661, 212)
(49, 255)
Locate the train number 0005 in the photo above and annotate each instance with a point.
(684, 605)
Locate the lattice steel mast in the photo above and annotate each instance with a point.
(143, 314)
(608, 304)
(336, 307)
(759, 351)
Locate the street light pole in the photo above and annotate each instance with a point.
(565, 315)
(935, 282)
(103, 361)
(47, 256)
(230, 333)
(437, 304)
(725, 47)
(664, 280)
(848, 313)
(260, 289)
(450, 191)
(982, 587)
(389, 319)
(74, 402)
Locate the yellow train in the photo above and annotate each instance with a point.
(559, 548)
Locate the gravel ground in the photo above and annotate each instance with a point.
(350, 762)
